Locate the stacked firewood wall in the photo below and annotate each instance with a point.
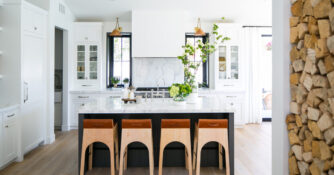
(310, 123)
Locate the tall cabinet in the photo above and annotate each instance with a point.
(23, 66)
(229, 71)
(88, 46)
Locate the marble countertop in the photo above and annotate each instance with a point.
(102, 91)
(111, 105)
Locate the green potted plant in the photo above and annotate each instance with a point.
(179, 91)
(115, 81)
(126, 82)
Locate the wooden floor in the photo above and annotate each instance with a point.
(252, 156)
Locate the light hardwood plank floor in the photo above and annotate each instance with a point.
(252, 156)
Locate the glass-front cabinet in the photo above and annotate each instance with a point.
(229, 65)
(87, 62)
(228, 62)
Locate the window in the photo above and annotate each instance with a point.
(119, 58)
(202, 75)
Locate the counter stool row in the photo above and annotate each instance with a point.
(140, 130)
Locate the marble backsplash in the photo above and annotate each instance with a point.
(148, 72)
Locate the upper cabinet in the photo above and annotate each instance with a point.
(157, 33)
(88, 39)
(229, 68)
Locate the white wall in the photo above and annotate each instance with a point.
(281, 90)
(65, 22)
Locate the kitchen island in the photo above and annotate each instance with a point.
(157, 109)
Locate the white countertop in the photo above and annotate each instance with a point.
(108, 105)
(102, 91)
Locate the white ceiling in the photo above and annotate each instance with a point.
(208, 10)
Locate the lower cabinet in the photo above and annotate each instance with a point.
(80, 99)
(8, 136)
(232, 101)
(9, 140)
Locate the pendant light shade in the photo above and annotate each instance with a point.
(198, 29)
(117, 30)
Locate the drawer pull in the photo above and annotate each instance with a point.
(6, 126)
(228, 85)
(83, 96)
(86, 85)
(231, 96)
(9, 116)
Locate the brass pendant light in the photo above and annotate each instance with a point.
(117, 30)
(198, 29)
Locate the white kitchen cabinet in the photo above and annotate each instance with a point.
(8, 135)
(158, 33)
(88, 55)
(233, 101)
(24, 70)
(80, 98)
(229, 65)
(9, 140)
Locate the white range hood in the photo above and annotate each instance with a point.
(158, 33)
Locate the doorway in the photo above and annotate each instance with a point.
(58, 78)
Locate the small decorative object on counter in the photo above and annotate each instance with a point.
(115, 81)
(179, 91)
(126, 82)
(126, 100)
(126, 93)
(139, 99)
(132, 92)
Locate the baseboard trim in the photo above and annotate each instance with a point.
(32, 146)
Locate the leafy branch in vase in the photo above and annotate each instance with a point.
(207, 48)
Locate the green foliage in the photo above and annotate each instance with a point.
(115, 80)
(191, 68)
(126, 80)
(179, 90)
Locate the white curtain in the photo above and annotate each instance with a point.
(252, 53)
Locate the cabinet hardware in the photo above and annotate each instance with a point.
(231, 96)
(26, 92)
(6, 126)
(12, 115)
(85, 85)
(35, 28)
(83, 96)
(228, 85)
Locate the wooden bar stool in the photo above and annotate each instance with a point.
(99, 130)
(208, 130)
(139, 130)
(175, 130)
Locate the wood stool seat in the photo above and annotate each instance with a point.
(136, 123)
(213, 123)
(211, 130)
(136, 130)
(98, 123)
(175, 130)
(99, 130)
(175, 123)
